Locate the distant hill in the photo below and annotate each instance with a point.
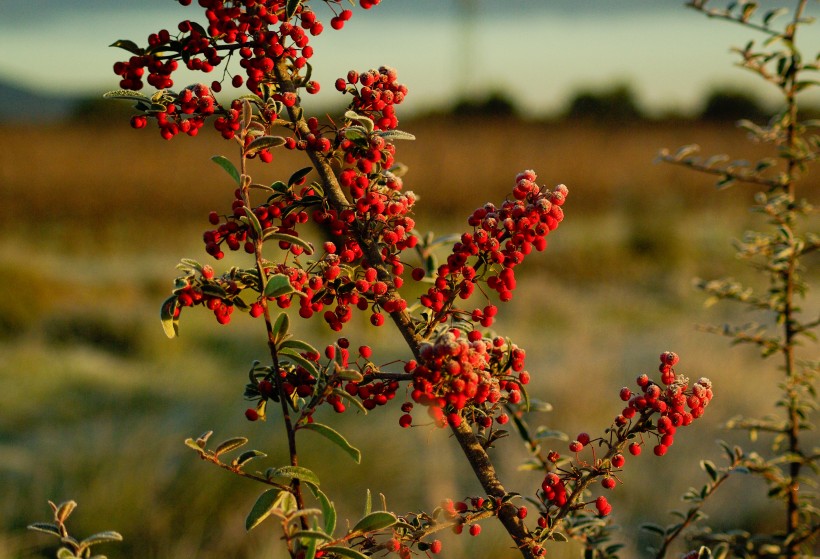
(20, 104)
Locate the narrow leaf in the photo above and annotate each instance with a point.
(373, 522)
(654, 528)
(246, 457)
(313, 534)
(229, 167)
(328, 510)
(336, 438)
(709, 467)
(130, 46)
(265, 142)
(273, 234)
(396, 135)
(102, 537)
(299, 175)
(296, 472)
(262, 508)
(128, 94)
(281, 326)
(46, 527)
(299, 345)
(229, 445)
(295, 356)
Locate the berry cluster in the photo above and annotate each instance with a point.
(636, 420)
(460, 371)
(258, 30)
(670, 403)
(261, 35)
(500, 240)
(376, 97)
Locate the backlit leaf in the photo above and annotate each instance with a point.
(102, 537)
(336, 438)
(296, 472)
(374, 521)
(275, 235)
(264, 142)
(170, 324)
(229, 445)
(328, 510)
(265, 505)
(229, 167)
(46, 527)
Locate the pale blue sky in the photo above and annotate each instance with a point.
(539, 50)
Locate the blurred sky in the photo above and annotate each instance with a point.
(540, 51)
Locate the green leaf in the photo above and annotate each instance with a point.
(264, 142)
(299, 345)
(193, 444)
(559, 537)
(654, 528)
(299, 175)
(229, 167)
(127, 94)
(280, 327)
(328, 510)
(313, 534)
(102, 537)
(229, 445)
(268, 502)
(292, 7)
(65, 553)
(273, 234)
(46, 527)
(344, 552)
(368, 503)
(278, 285)
(355, 133)
(251, 218)
(395, 135)
(709, 467)
(544, 433)
(297, 358)
(246, 457)
(373, 522)
(130, 46)
(296, 472)
(350, 374)
(355, 401)
(336, 438)
(170, 325)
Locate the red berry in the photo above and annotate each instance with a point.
(475, 529)
(583, 438)
(435, 547)
(251, 414)
(660, 449)
(634, 449)
(618, 460)
(608, 482)
(406, 420)
(576, 446)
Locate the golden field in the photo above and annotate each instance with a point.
(96, 402)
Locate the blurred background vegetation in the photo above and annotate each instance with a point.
(95, 402)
